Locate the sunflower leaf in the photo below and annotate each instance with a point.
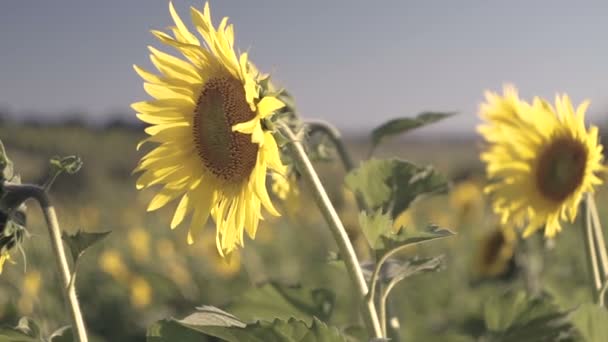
(26, 330)
(69, 164)
(81, 241)
(406, 124)
(515, 316)
(592, 322)
(273, 300)
(407, 237)
(6, 165)
(213, 322)
(63, 334)
(393, 184)
(374, 225)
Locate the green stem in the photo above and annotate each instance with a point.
(336, 139)
(591, 255)
(337, 228)
(38, 193)
(600, 246)
(384, 301)
(333, 135)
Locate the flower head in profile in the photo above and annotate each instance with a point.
(541, 159)
(495, 253)
(207, 115)
(12, 234)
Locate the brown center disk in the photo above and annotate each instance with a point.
(492, 248)
(561, 168)
(228, 155)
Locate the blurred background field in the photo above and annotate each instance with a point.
(144, 272)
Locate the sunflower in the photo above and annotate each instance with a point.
(496, 252)
(541, 159)
(207, 117)
(12, 234)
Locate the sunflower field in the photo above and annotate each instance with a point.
(226, 215)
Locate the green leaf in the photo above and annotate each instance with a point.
(591, 321)
(213, 322)
(393, 184)
(415, 266)
(374, 225)
(515, 316)
(403, 125)
(273, 300)
(63, 334)
(69, 164)
(27, 330)
(409, 236)
(6, 165)
(81, 241)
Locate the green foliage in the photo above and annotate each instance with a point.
(591, 320)
(6, 165)
(63, 334)
(69, 164)
(80, 241)
(404, 125)
(393, 184)
(375, 225)
(27, 330)
(274, 300)
(379, 232)
(407, 237)
(515, 316)
(212, 322)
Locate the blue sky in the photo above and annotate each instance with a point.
(353, 63)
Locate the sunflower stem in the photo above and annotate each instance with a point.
(334, 135)
(337, 228)
(600, 246)
(39, 194)
(591, 255)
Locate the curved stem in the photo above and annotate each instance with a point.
(336, 139)
(600, 246)
(384, 299)
(591, 255)
(26, 191)
(337, 228)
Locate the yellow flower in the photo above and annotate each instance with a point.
(112, 263)
(541, 159)
(140, 292)
(4, 257)
(496, 252)
(139, 241)
(213, 152)
(224, 267)
(466, 198)
(31, 283)
(286, 188)
(404, 220)
(29, 292)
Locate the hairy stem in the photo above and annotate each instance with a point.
(591, 255)
(26, 191)
(336, 140)
(337, 228)
(600, 246)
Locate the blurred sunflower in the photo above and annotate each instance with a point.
(207, 116)
(12, 234)
(542, 160)
(496, 252)
(225, 268)
(466, 199)
(286, 189)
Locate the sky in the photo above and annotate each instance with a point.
(353, 63)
